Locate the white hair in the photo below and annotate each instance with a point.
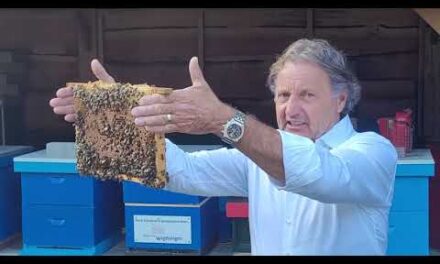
(332, 61)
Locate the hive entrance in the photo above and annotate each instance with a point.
(109, 146)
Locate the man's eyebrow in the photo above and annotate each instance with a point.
(307, 88)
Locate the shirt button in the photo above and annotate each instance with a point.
(288, 222)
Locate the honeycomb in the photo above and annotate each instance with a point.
(109, 146)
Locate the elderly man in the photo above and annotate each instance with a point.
(315, 186)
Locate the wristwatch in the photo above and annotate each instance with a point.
(233, 130)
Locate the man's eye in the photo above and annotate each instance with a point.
(283, 95)
(310, 95)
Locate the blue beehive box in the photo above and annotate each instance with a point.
(408, 232)
(64, 213)
(172, 227)
(136, 193)
(10, 198)
(161, 220)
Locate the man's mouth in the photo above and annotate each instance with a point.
(295, 125)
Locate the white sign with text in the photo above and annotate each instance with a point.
(162, 229)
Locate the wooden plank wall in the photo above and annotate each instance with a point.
(48, 38)
(51, 41)
(150, 46)
(382, 45)
(431, 86)
(235, 48)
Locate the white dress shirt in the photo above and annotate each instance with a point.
(335, 200)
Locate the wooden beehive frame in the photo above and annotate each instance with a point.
(109, 146)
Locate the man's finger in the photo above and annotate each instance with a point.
(70, 118)
(195, 72)
(54, 102)
(64, 92)
(64, 110)
(154, 99)
(152, 110)
(170, 128)
(100, 72)
(157, 120)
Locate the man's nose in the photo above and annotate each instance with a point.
(293, 107)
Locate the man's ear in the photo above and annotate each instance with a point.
(341, 100)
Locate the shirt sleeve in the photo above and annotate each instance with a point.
(361, 171)
(220, 172)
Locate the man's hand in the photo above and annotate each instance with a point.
(62, 104)
(193, 110)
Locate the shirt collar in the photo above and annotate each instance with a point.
(339, 133)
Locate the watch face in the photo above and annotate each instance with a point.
(234, 131)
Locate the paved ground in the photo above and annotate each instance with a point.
(12, 248)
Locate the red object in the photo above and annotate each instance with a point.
(398, 130)
(386, 125)
(402, 134)
(237, 209)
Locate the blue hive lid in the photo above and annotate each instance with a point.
(418, 162)
(8, 152)
(58, 157)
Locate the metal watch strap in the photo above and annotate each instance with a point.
(227, 140)
(239, 117)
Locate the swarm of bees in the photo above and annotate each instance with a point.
(109, 146)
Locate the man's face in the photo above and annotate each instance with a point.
(305, 104)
